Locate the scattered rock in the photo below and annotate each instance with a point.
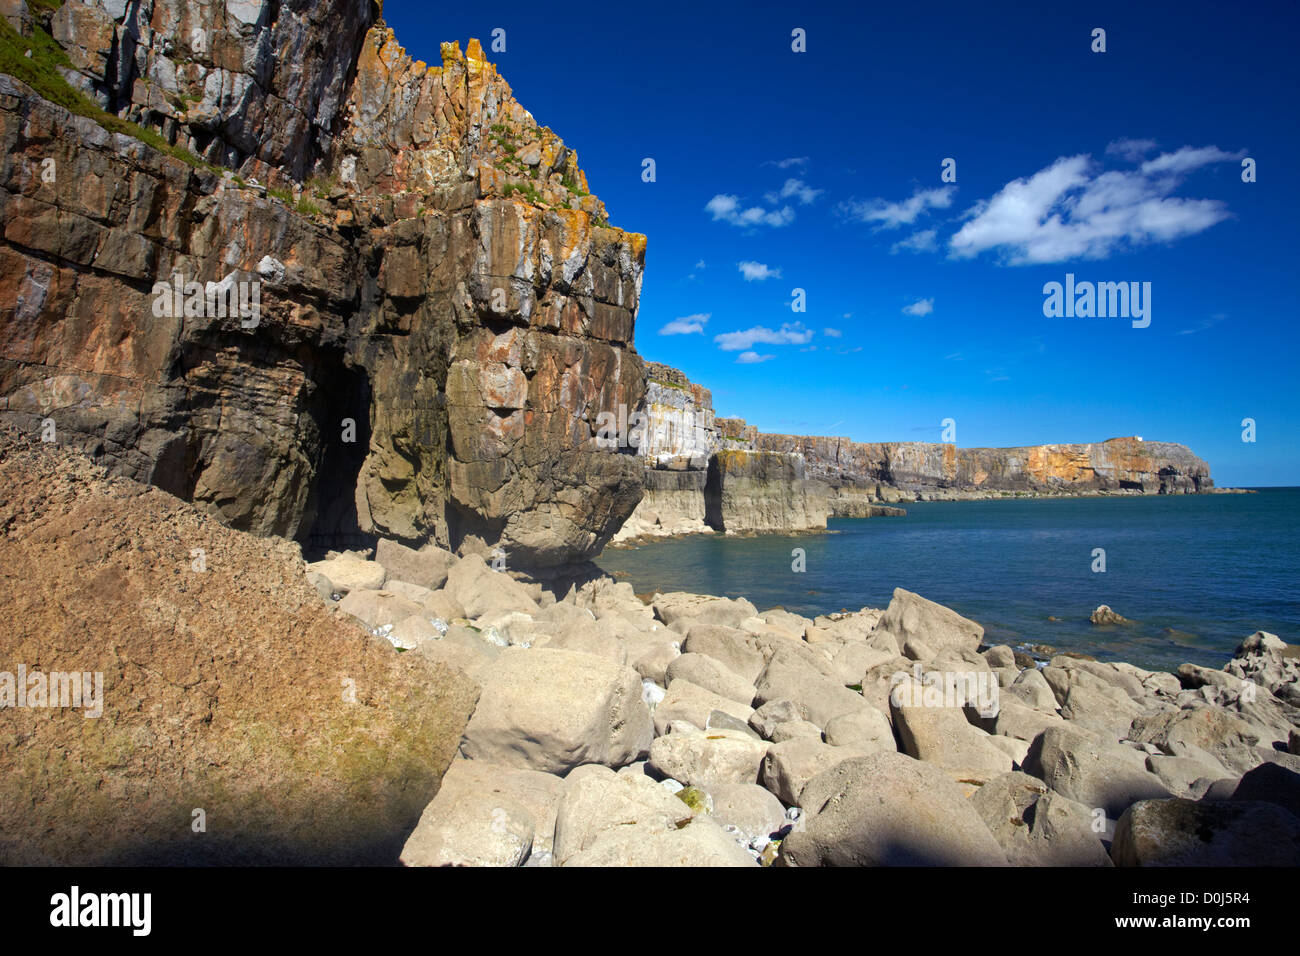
(1103, 616)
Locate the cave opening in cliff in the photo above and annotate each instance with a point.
(340, 410)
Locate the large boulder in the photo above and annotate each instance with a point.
(486, 815)
(731, 647)
(678, 607)
(1037, 827)
(427, 567)
(911, 617)
(940, 734)
(609, 819)
(1092, 771)
(705, 672)
(554, 710)
(1181, 832)
(481, 590)
(694, 704)
(788, 766)
(887, 809)
(866, 730)
(794, 675)
(702, 759)
(349, 572)
(752, 810)
(1203, 729)
(243, 721)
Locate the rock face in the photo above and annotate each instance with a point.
(228, 687)
(434, 316)
(912, 469)
(704, 473)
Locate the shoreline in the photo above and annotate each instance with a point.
(748, 737)
(892, 509)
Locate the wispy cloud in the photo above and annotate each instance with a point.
(790, 333)
(795, 188)
(832, 333)
(924, 241)
(890, 215)
(1130, 149)
(687, 324)
(752, 358)
(1205, 324)
(919, 307)
(787, 163)
(727, 208)
(1073, 210)
(757, 271)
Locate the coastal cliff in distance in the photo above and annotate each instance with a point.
(705, 473)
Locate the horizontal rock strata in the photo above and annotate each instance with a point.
(757, 482)
(442, 311)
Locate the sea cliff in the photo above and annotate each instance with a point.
(434, 309)
(705, 473)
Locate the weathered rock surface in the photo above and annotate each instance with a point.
(554, 710)
(486, 815)
(430, 270)
(1092, 771)
(1209, 833)
(1036, 827)
(888, 809)
(225, 678)
(911, 617)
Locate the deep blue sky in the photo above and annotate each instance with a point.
(715, 95)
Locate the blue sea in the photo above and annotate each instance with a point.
(1196, 573)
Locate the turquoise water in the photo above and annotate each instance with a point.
(1197, 573)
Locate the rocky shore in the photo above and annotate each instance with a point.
(690, 730)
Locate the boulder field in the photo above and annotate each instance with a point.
(691, 730)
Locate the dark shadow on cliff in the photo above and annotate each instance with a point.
(330, 521)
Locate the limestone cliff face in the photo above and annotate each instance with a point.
(443, 311)
(705, 473)
(901, 469)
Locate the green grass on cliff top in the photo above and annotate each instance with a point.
(40, 72)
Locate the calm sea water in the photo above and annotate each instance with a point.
(1197, 573)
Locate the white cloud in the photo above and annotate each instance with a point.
(787, 163)
(1186, 159)
(797, 188)
(790, 333)
(752, 358)
(924, 241)
(757, 271)
(891, 215)
(728, 208)
(1070, 210)
(832, 333)
(700, 264)
(686, 325)
(1130, 149)
(919, 307)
